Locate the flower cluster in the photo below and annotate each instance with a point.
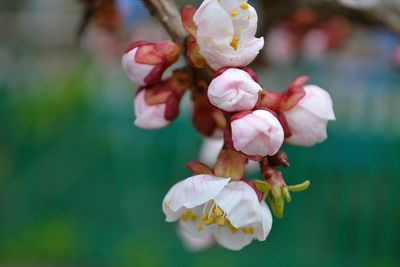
(219, 204)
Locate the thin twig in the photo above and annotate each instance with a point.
(168, 13)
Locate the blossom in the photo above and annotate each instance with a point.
(149, 116)
(226, 33)
(257, 133)
(308, 119)
(145, 62)
(234, 90)
(209, 206)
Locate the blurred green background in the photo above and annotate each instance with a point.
(80, 185)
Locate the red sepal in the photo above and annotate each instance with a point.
(187, 14)
(197, 167)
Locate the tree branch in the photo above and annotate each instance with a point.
(168, 13)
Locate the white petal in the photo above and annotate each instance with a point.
(257, 134)
(191, 226)
(234, 241)
(307, 128)
(191, 192)
(263, 229)
(137, 72)
(149, 116)
(240, 203)
(318, 101)
(193, 243)
(209, 150)
(233, 90)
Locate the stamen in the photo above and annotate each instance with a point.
(233, 229)
(186, 216)
(221, 221)
(244, 5)
(210, 220)
(218, 212)
(200, 227)
(235, 43)
(234, 13)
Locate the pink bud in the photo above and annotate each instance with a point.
(234, 90)
(149, 116)
(257, 133)
(308, 119)
(145, 62)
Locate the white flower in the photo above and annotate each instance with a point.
(226, 33)
(308, 120)
(149, 116)
(208, 206)
(258, 133)
(233, 90)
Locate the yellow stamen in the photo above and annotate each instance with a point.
(218, 212)
(193, 217)
(233, 229)
(244, 5)
(234, 13)
(186, 216)
(210, 220)
(235, 43)
(200, 227)
(248, 230)
(221, 221)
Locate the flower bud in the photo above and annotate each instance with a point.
(234, 90)
(149, 116)
(157, 105)
(308, 119)
(226, 33)
(256, 134)
(145, 62)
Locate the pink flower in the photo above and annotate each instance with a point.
(149, 116)
(234, 90)
(256, 133)
(226, 33)
(145, 62)
(308, 119)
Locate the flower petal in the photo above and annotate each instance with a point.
(234, 241)
(191, 192)
(149, 116)
(194, 226)
(263, 229)
(240, 203)
(194, 243)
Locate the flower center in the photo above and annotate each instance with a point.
(213, 215)
(235, 43)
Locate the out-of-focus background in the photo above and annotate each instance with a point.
(80, 185)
